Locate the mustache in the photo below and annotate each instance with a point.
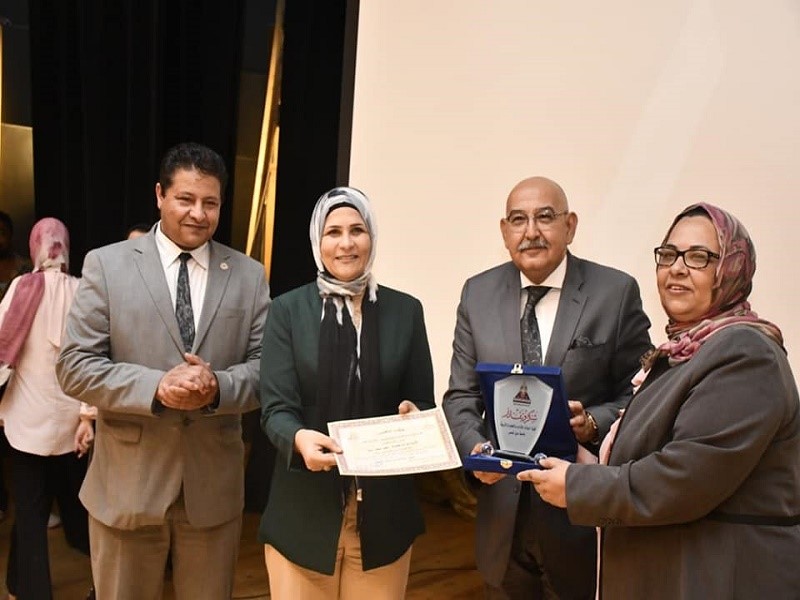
(527, 244)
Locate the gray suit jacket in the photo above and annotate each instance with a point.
(121, 337)
(703, 444)
(599, 334)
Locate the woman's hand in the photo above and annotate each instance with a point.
(550, 482)
(84, 436)
(406, 406)
(317, 449)
(485, 477)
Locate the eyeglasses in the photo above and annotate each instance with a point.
(694, 258)
(544, 219)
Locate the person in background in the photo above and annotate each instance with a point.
(164, 338)
(11, 266)
(700, 494)
(341, 347)
(137, 230)
(42, 423)
(548, 307)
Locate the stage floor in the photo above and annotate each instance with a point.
(442, 564)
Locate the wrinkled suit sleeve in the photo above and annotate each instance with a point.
(84, 368)
(463, 401)
(733, 409)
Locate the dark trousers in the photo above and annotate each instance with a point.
(35, 482)
(550, 558)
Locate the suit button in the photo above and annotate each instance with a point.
(516, 489)
(186, 421)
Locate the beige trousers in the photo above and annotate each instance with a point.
(288, 581)
(129, 564)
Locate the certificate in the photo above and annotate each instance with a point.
(416, 442)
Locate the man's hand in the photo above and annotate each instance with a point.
(317, 449)
(550, 482)
(189, 385)
(486, 477)
(583, 426)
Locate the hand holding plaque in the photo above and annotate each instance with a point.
(528, 418)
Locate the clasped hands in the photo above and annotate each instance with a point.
(189, 385)
(319, 450)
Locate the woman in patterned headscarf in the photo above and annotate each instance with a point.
(701, 494)
(341, 347)
(42, 424)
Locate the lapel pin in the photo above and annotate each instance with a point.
(223, 266)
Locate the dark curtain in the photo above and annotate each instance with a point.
(314, 156)
(114, 84)
(117, 82)
(316, 115)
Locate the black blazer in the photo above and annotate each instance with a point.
(304, 512)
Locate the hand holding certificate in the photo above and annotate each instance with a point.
(415, 442)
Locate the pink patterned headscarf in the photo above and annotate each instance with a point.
(49, 247)
(732, 286)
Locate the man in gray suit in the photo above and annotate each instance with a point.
(164, 338)
(591, 324)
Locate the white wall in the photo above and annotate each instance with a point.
(637, 108)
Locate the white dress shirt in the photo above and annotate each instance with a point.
(197, 267)
(547, 307)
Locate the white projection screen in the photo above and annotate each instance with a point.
(636, 108)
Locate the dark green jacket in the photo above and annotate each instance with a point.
(304, 513)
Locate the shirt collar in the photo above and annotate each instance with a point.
(554, 280)
(169, 250)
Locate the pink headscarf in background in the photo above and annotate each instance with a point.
(732, 286)
(49, 247)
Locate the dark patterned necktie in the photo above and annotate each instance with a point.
(529, 326)
(183, 304)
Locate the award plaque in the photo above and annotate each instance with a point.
(528, 416)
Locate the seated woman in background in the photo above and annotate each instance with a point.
(44, 428)
(339, 348)
(701, 494)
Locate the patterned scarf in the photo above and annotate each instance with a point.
(348, 379)
(733, 284)
(49, 247)
(328, 285)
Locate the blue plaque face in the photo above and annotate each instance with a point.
(527, 413)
